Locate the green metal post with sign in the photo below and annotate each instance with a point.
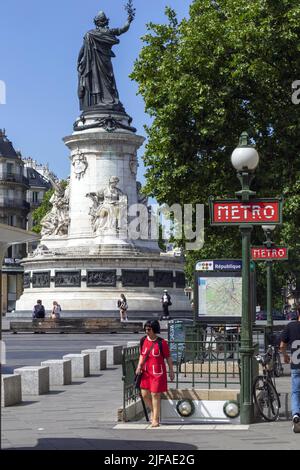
(246, 212)
(269, 253)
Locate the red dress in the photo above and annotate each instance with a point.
(154, 376)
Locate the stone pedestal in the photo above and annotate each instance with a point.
(114, 354)
(80, 364)
(34, 379)
(11, 390)
(60, 371)
(86, 259)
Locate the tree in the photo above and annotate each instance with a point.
(39, 213)
(226, 69)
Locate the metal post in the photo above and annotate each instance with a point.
(247, 350)
(269, 295)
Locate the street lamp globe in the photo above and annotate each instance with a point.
(245, 156)
(267, 228)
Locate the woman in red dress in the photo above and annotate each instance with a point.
(153, 369)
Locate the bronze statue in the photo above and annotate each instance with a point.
(97, 86)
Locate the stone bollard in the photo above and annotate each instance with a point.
(114, 354)
(60, 371)
(11, 389)
(97, 358)
(80, 364)
(35, 379)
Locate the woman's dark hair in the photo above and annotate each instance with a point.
(154, 324)
(123, 297)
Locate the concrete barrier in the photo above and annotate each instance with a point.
(80, 364)
(114, 354)
(11, 389)
(60, 371)
(35, 379)
(97, 358)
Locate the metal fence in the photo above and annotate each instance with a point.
(205, 358)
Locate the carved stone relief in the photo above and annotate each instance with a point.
(134, 278)
(109, 210)
(133, 165)
(41, 279)
(163, 279)
(79, 163)
(26, 280)
(101, 278)
(56, 222)
(67, 278)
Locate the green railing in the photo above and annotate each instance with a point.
(130, 357)
(210, 362)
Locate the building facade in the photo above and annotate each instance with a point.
(22, 188)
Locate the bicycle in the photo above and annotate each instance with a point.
(220, 343)
(274, 340)
(265, 394)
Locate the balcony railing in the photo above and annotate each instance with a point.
(14, 203)
(14, 178)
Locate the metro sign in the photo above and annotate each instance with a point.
(254, 212)
(261, 253)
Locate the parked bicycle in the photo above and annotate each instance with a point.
(274, 340)
(265, 394)
(221, 343)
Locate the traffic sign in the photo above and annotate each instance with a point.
(255, 212)
(261, 253)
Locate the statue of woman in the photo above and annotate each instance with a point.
(97, 85)
(109, 209)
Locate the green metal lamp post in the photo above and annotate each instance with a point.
(268, 229)
(245, 159)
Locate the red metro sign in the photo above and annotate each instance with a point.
(261, 253)
(254, 212)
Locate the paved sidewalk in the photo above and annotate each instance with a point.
(84, 416)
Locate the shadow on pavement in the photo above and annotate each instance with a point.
(104, 444)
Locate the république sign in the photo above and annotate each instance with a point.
(261, 253)
(254, 212)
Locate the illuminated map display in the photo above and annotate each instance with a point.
(219, 296)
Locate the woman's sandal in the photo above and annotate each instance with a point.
(155, 425)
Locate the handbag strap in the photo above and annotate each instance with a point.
(148, 353)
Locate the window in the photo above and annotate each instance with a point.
(35, 196)
(10, 168)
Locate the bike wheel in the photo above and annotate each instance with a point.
(278, 369)
(266, 398)
(221, 348)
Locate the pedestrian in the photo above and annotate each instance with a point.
(38, 310)
(166, 302)
(153, 353)
(291, 337)
(56, 310)
(123, 307)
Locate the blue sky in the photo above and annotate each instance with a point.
(39, 45)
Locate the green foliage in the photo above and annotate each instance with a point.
(41, 211)
(226, 69)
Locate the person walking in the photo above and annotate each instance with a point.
(123, 307)
(154, 351)
(291, 337)
(56, 310)
(38, 310)
(166, 302)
